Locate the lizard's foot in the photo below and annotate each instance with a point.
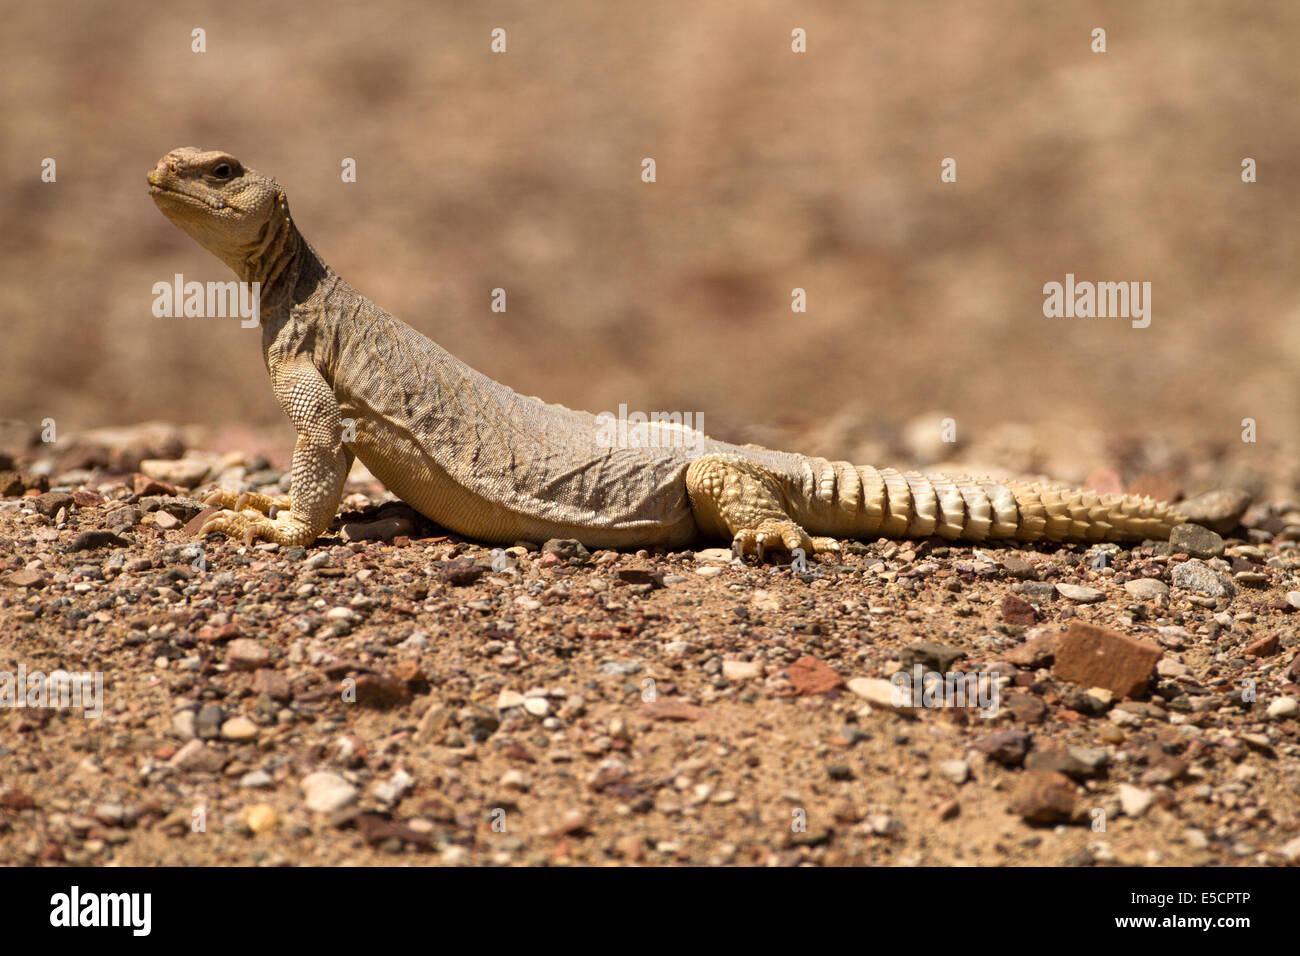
(779, 534)
(241, 501)
(285, 529)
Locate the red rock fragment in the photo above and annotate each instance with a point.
(811, 676)
(673, 710)
(1096, 657)
(1016, 610)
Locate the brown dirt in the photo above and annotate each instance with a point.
(676, 729)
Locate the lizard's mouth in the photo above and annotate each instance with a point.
(162, 192)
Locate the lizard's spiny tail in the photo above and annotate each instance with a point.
(866, 502)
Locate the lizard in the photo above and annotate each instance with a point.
(488, 463)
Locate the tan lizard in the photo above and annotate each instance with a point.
(486, 462)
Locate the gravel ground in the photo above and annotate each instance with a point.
(394, 694)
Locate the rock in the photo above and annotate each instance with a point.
(198, 756)
(714, 556)
(1283, 707)
(1195, 575)
(537, 706)
(1017, 610)
(1168, 667)
(246, 654)
(640, 576)
(1040, 592)
(879, 693)
(183, 725)
(1080, 594)
(273, 684)
(566, 548)
(1198, 541)
(183, 472)
(459, 573)
(52, 502)
(327, 792)
(381, 691)
(742, 670)
(260, 818)
(673, 710)
(11, 484)
(1026, 708)
(1019, 568)
(931, 656)
(384, 529)
(1147, 589)
(1093, 759)
(811, 676)
(1291, 851)
(1219, 510)
(239, 729)
(1039, 651)
(256, 780)
(165, 521)
(1264, 647)
(619, 668)
(94, 540)
(1044, 797)
(1007, 747)
(25, 579)
(958, 771)
(207, 724)
(122, 519)
(1134, 801)
(1293, 599)
(1096, 657)
(509, 698)
(1058, 760)
(394, 788)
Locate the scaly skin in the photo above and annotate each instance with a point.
(488, 463)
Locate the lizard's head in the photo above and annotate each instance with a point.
(223, 204)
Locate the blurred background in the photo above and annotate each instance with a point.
(775, 170)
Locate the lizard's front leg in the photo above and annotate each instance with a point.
(320, 466)
(732, 496)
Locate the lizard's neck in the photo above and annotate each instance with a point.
(277, 259)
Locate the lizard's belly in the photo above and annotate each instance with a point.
(490, 504)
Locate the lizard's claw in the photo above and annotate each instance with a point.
(286, 529)
(782, 535)
(237, 501)
(778, 533)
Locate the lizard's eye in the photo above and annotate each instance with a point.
(222, 170)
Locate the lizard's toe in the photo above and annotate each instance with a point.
(247, 500)
(826, 545)
(266, 504)
(222, 497)
(248, 526)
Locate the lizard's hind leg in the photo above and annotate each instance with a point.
(734, 497)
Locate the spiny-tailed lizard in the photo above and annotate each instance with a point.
(488, 463)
